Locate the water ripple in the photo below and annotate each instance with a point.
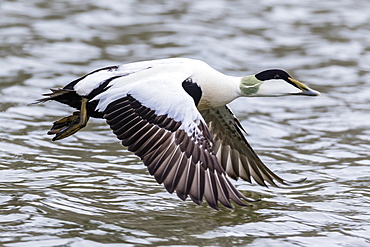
(88, 190)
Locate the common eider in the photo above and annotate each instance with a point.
(173, 114)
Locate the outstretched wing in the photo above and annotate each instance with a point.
(168, 133)
(233, 150)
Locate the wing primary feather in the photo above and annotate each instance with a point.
(142, 110)
(244, 169)
(172, 125)
(147, 146)
(151, 154)
(210, 189)
(177, 172)
(147, 136)
(166, 163)
(118, 115)
(148, 115)
(161, 141)
(235, 161)
(225, 159)
(159, 119)
(169, 182)
(197, 152)
(180, 137)
(136, 134)
(272, 175)
(235, 195)
(223, 194)
(133, 102)
(125, 123)
(256, 174)
(186, 180)
(167, 121)
(197, 187)
(118, 104)
(134, 131)
(216, 148)
(159, 155)
(188, 146)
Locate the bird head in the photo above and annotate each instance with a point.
(274, 82)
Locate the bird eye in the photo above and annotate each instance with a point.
(277, 76)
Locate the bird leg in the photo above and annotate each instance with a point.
(69, 125)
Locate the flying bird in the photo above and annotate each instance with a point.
(173, 114)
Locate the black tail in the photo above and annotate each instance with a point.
(65, 96)
(71, 98)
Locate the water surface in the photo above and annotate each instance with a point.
(88, 190)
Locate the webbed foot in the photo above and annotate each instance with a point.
(69, 125)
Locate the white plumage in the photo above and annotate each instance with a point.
(172, 113)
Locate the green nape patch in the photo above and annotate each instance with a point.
(249, 85)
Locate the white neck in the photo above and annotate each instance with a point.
(218, 90)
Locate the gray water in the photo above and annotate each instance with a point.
(87, 190)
